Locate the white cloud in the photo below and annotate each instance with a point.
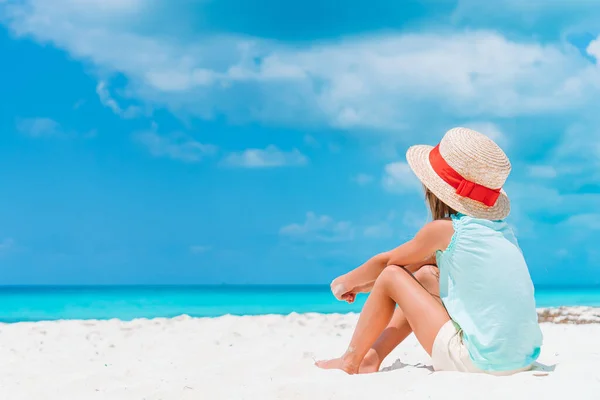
(363, 179)
(399, 178)
(108, 101)
(177, 146)
(38, 127)
(321, 228)
(593, 49)
(541, 171)
(271, 156)
(199, 249)
(382, 82)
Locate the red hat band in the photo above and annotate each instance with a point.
(464, 187)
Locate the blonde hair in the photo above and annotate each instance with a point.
(438, 209)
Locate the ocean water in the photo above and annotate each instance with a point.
(18, 304)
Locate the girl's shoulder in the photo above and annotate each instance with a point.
(438, 225)
(438, 233)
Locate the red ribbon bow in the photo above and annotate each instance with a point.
(464, 187)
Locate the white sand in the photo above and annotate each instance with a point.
(268, 357)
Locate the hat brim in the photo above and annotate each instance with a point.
(418, 160)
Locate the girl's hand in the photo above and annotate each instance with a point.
(342, 290)
(349, 297)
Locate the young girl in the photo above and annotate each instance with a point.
(481, 316)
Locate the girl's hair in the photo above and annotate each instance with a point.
(439, 209)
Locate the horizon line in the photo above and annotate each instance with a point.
(234, 285)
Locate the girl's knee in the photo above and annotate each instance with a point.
(427, 274)
(429, 277)
(389, 274)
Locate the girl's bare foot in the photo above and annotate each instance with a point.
(338, 363)
(370, 363)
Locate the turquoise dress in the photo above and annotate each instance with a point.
(486, 287)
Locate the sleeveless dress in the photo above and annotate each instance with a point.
(487, 290)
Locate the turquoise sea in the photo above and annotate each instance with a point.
(35, 303)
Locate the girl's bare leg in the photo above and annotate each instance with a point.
(394, 286)
(399, 329)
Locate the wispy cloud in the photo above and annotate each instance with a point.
(108, 101)
(38, 127)
(321, 228)
(399, 178)
(48, 128)
(269, 157)
(177, 146)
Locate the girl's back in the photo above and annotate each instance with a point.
(486, 287)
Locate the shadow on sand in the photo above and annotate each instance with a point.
(399, 365)
(538, 369)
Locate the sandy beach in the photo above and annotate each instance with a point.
(269, 357)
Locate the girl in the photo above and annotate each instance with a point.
(484, 318)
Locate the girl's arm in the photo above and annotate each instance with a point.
(360, 279)
(412, 268)
(413, 254)
(421, 249)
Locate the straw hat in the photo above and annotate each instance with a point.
(466, 171)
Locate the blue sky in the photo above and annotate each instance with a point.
(263, 142)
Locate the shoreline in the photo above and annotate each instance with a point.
(579, 315)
